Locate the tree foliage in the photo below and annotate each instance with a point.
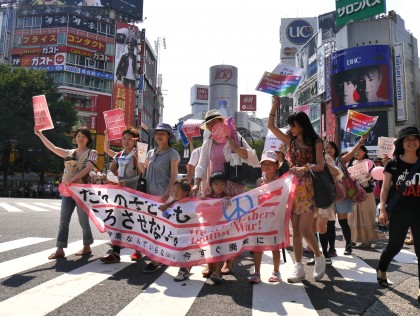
(17, 87)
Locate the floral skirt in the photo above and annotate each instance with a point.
(304, 197)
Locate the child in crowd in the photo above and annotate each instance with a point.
(218, 183)
(269, 165)
(181, 191)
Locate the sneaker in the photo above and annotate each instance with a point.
(216, 278)
(298, 273)
(111, 258)
(348, 250)
(136, 256)
(255, 278)
(366, 245)
(150, 268)
(328, 262)
(275, 277)
(332, 253)
(319, 269)
(310, 262)
(183, 274)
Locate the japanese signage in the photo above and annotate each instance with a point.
(41, 113)
(355, 10)
(82, 41)
(39, 39)
(36, 60)
(400, 84)
(272, 142)
(320, 78)
(248, 102)
(191, 231)
(115, 124)
(361, 77)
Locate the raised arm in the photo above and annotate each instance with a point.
(56, 150)
(107, 150)
(347, 157)
(273, 128)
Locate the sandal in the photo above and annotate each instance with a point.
(83, 253)
(382, 282)
(409, 241)
(255, 278)
(207, 271)
(275, 277)
(216, 278)
(111, 258)
(54, 256)
(227, 267)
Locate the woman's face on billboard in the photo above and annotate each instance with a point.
(373, 81)
(348, 90)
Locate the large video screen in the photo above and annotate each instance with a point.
(133, 8)
(361, 77)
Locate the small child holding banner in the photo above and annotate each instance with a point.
(269, 165)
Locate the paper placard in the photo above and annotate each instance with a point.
(359, 171)
(142, 152)
(115, 124)
(191, 128)
(272, 142)
(42, 115)
(385, 146)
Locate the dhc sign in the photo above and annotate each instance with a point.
(299, 32)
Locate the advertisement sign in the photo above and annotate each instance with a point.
(126, 70)
(202, 94)
(247, 102)
(303, 108)
(400, 84)
(39, 39)
(36, 60)
(42, 115)
(327, 25)
(115, 124)
(320, 72)
(361, 77)
(306, 58)
(348, 140)
(82, 41)
(299, 31)
(356, 10)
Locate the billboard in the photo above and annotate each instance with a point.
(306, 58)
(348, 140)
(133, 8)
(247, 102)
(351, 10)
(126, 70)
(327, 24)
(400, 84)
(361, 77)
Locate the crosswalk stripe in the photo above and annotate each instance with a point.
(32, 207)
(18, 265)
(54, 207)
(406, 256)
(10, 208)
(19, 243)
(165, 296)
(280, 298)
(352, 268)
(62, 289)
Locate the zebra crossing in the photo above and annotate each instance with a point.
(29, 205)
(57, 292)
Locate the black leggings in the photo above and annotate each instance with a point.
(398, 227)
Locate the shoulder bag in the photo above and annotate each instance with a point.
(323, 183)
(398, 193)
(354, 189)
(141, 184)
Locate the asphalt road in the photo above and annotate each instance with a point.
(33, 285)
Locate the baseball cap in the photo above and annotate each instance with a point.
(269, 155)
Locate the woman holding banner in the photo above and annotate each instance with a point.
(303, 143)
(362, 219)
(78, 164)
(125, 167)
(161, 169)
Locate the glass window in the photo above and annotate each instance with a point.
(62, 38)
(17, 41)
(109, 48)
(37, 21)
(28, 22)
(19, 23)
(71, 58)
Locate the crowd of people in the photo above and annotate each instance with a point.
(306, 153)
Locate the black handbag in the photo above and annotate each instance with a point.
(324, 186)
(141, 184)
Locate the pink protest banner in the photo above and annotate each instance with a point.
(194, 231)
(42, 115)
(191, 128)
(115, 124)
(359, 123)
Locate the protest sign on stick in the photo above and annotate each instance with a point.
(42, 115)
(114, 121)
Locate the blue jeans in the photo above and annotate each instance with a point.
(67, 208)
(398, 227)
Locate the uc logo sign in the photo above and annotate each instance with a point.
(299, 32)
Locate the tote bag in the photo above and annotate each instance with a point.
(324, 187)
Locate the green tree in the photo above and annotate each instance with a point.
(17, 87)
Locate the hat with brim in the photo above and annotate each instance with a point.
(164, 127)
(210, 116)
(407, 131)
(269, 155)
